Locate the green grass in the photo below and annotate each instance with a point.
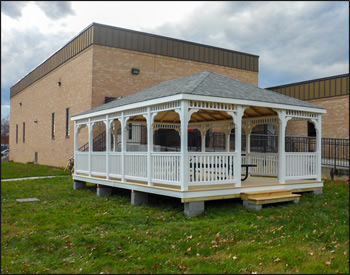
(74, 231)
(10, 170)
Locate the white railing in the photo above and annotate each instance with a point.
(136, 165)
(267, 164)
(212, 168)
(98, 163)
(301, 165)
(115, 164)
(166, 168)
(82, 162)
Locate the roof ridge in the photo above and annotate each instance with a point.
(202, 76)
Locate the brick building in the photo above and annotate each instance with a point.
(331, 93)
(101, 63)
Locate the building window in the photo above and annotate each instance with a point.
(16, 133)
(53, 125)
(311, 131)
(24, 132)
(67, 123)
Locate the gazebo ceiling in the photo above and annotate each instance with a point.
(206, 115)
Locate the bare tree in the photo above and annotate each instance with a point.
(5, 129)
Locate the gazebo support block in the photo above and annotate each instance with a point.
(247, 205)
(139, 198)
(193, 209)
(104, 191)
(79, 184)
(318, 191)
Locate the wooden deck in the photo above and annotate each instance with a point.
(207, 192)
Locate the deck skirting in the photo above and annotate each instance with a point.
(205, 193)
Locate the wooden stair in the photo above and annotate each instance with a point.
(255, 200)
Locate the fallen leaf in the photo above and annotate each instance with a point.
(311, 253)
(234, 257)
(189, 249)
(254, 272)
(65, 237)
(314, 231)
(182, 266)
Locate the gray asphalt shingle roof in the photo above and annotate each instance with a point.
(205, 83)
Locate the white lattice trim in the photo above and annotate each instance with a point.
(133, 112)
(300, 114)
(211, 105)
(157, 126)
(165, 106)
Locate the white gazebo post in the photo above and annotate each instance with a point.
(227, 135)
(123, 145)
(237, 120)
(203, 132)
(184, 117)
(107, 145)
(91, 126)
(319, 146)
(149, 119)
(76, 131)
(281, 146)
(248, 131)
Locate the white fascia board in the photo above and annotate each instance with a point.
(130, 106)
(200, 98)
(254, 103)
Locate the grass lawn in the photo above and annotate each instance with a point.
(74, 231)
(10, 170)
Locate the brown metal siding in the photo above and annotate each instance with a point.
(143, 42)
(77, 45)
(318, 88)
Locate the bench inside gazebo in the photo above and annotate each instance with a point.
(130, 159)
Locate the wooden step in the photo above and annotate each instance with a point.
(268, 193)
(274, 199)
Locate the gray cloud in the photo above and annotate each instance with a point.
(56, 9)
(13, 9)
(295, 40)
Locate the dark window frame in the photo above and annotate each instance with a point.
(67, 122)
(311, 130)
(16, 133)
(24, 132)
(53, 126)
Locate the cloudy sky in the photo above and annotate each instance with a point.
(296, 41)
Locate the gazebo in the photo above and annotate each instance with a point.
(200, 101)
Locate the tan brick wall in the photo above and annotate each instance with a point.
(103, 70)
(39, 101)
(335, 123)
(112, 72)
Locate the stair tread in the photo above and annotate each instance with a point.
(268, 191)
(275, 197)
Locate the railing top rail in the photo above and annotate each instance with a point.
(212, 153)
(135, 153)
(302, 153)
(166, 154)
(82, 152)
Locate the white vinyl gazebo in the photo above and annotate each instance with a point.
(200, 101)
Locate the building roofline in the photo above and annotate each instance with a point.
(173, 39)
(92, 36)
(307, 81)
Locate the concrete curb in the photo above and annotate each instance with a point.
(33, 178)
